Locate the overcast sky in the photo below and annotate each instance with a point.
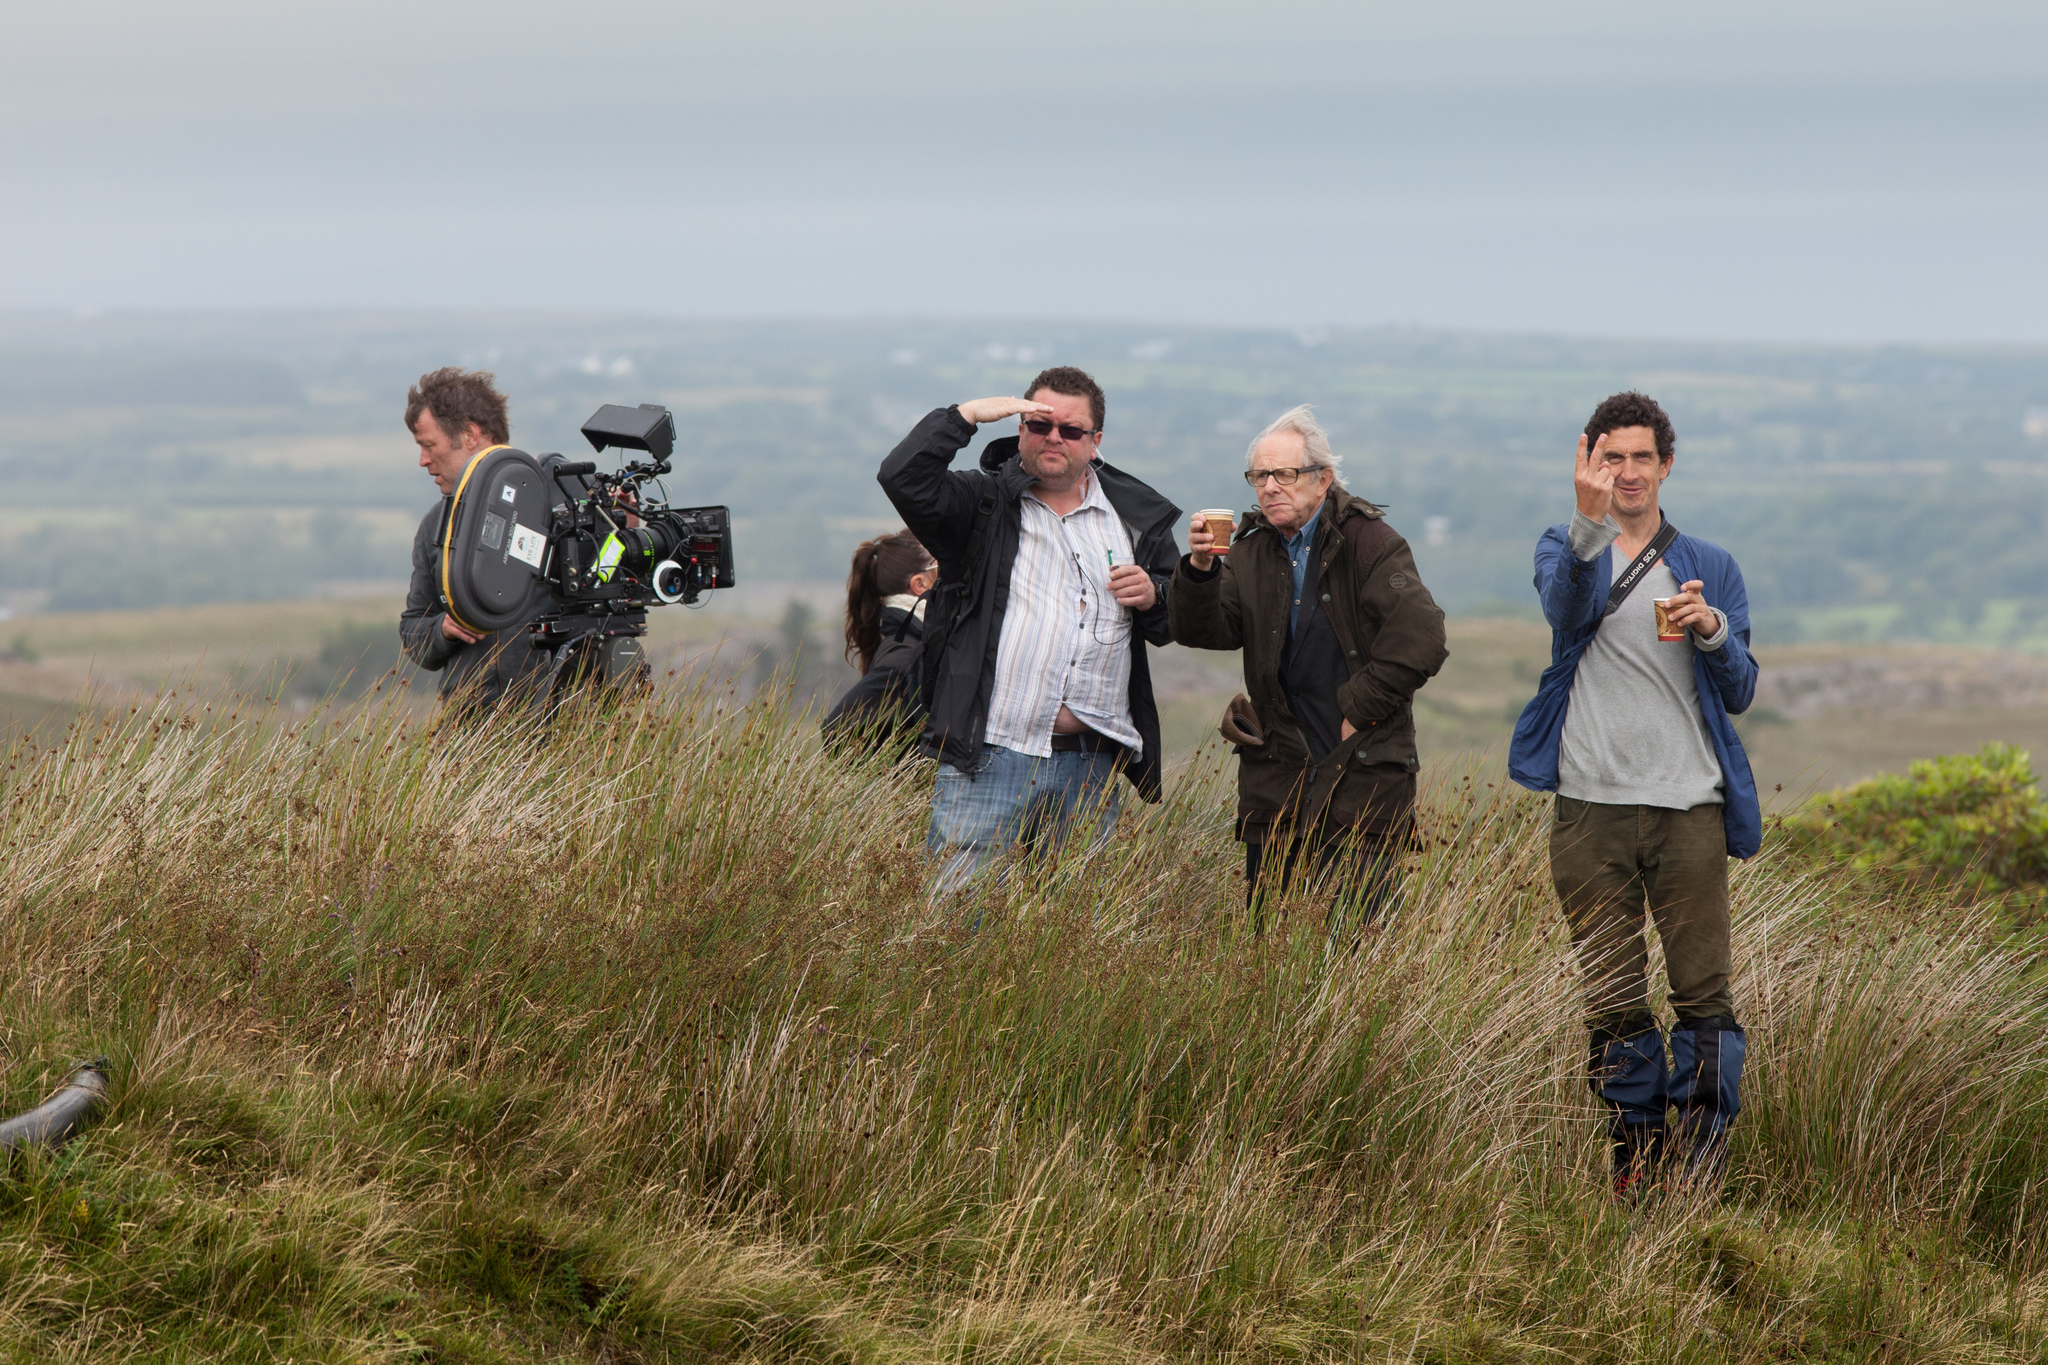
(1828, 170)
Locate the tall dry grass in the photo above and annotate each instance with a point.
(646, 1040)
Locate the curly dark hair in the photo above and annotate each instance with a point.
(1633, 409)
(458, 398)
(1074, 384)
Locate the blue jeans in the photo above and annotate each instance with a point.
(1012, 798)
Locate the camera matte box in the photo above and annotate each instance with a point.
(648, 427)
(497, 543)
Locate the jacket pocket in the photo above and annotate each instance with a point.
(1333, 775)
(1391, 741)
(1378, 793)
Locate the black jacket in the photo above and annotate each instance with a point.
(887, 692)
(1385, 637)
(484, 671)
(938, 505)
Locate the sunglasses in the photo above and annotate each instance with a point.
(1038, 426)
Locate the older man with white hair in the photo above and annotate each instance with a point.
(1338, 634)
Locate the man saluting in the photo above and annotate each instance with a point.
(1052, 565)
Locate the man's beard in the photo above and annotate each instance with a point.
(1070, 468)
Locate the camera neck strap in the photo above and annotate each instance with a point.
(1639, 566)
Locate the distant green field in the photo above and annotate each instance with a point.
(1873, 494)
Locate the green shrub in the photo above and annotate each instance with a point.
(1973, 820)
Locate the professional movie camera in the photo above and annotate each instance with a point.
(588, 552)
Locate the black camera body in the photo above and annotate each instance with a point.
(576, 555)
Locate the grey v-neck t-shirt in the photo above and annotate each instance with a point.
(1633, 732)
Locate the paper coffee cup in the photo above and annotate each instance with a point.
(1665, 630)
(1221, 521)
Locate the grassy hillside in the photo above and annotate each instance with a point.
(644, 1044)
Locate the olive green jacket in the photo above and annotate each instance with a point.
(1392, 634)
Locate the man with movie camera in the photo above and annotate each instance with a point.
(453, 415)
(1052, 570)
(1338, 634)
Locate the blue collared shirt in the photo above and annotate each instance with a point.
(1300, 546)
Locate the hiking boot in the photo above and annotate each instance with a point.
(1625, 1067)
(1639, 1157)
(1706, 1089)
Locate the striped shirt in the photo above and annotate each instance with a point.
(1065, 641)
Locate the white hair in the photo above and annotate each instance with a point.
(1301, 420)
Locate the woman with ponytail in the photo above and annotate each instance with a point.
(885, 641)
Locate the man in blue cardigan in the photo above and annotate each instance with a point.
(1630, 727)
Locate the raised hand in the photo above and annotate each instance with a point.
(1593, 480)
(980, 410)
(1200, 542)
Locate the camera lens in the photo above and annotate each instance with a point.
(640, 547)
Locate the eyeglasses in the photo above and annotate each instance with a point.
(1038, 426)
(1284, 477)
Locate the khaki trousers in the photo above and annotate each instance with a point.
(1608, 864)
